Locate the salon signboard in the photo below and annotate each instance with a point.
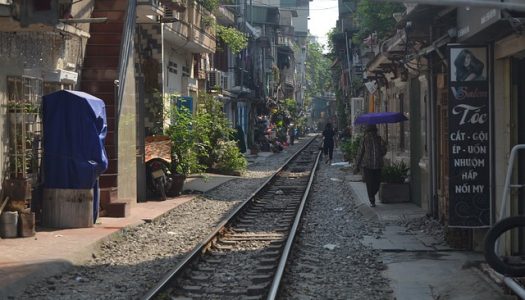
(469, 132)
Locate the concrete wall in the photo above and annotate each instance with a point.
(173, 78)
(33, 54)
(148, 64)
(127, 140)
(501, 126)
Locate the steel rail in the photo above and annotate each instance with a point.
(200, 248)
(291, 236)
(515, 287)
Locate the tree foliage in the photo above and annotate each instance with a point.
(232, 37)
(209, 4)
(372, 16)
(318, 75)
(203, 140)
(212, 127)
(331, 42)
(185, 144)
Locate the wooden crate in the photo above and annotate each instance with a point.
(67, 208)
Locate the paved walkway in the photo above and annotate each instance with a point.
(51, 250)
(419, 266)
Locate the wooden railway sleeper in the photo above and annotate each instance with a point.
(271, 254)
(227, 242)
(261, 278)
(222, 247)
(268, 261)
(274, 209)
(265, 269)
(258, 239)
(278, 243)
(194, 289)
(204, 269)
(199, 277)
(254, 235)
(282, 229)
(257, 289)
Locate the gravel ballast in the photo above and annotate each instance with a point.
(329, 261)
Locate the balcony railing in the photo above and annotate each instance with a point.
(35, 15)
(283, 40)
(193, 29)
(149, 11)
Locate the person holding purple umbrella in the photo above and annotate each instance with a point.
(370, 157)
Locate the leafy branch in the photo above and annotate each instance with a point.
(209, 4)
(375, 17)
(232, 37)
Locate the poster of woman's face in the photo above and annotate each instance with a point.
(468, 64)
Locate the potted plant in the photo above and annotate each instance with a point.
(394, 188)
(350, 147)
(22, 111)
(229, 160)
(22, 161)
(184, 146)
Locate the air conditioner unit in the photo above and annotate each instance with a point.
(214, 79)
(62, 76)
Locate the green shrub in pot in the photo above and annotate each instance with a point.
(396, 172)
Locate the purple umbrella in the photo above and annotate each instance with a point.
(380, 118)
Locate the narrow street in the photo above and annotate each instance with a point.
(139, 136)
(346, 250)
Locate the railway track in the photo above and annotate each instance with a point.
(245, 257)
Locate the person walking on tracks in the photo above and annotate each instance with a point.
(370, 157)
(328, 142)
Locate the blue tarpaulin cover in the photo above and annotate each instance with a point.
(75, 127)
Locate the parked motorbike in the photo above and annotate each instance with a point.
(159, 175)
